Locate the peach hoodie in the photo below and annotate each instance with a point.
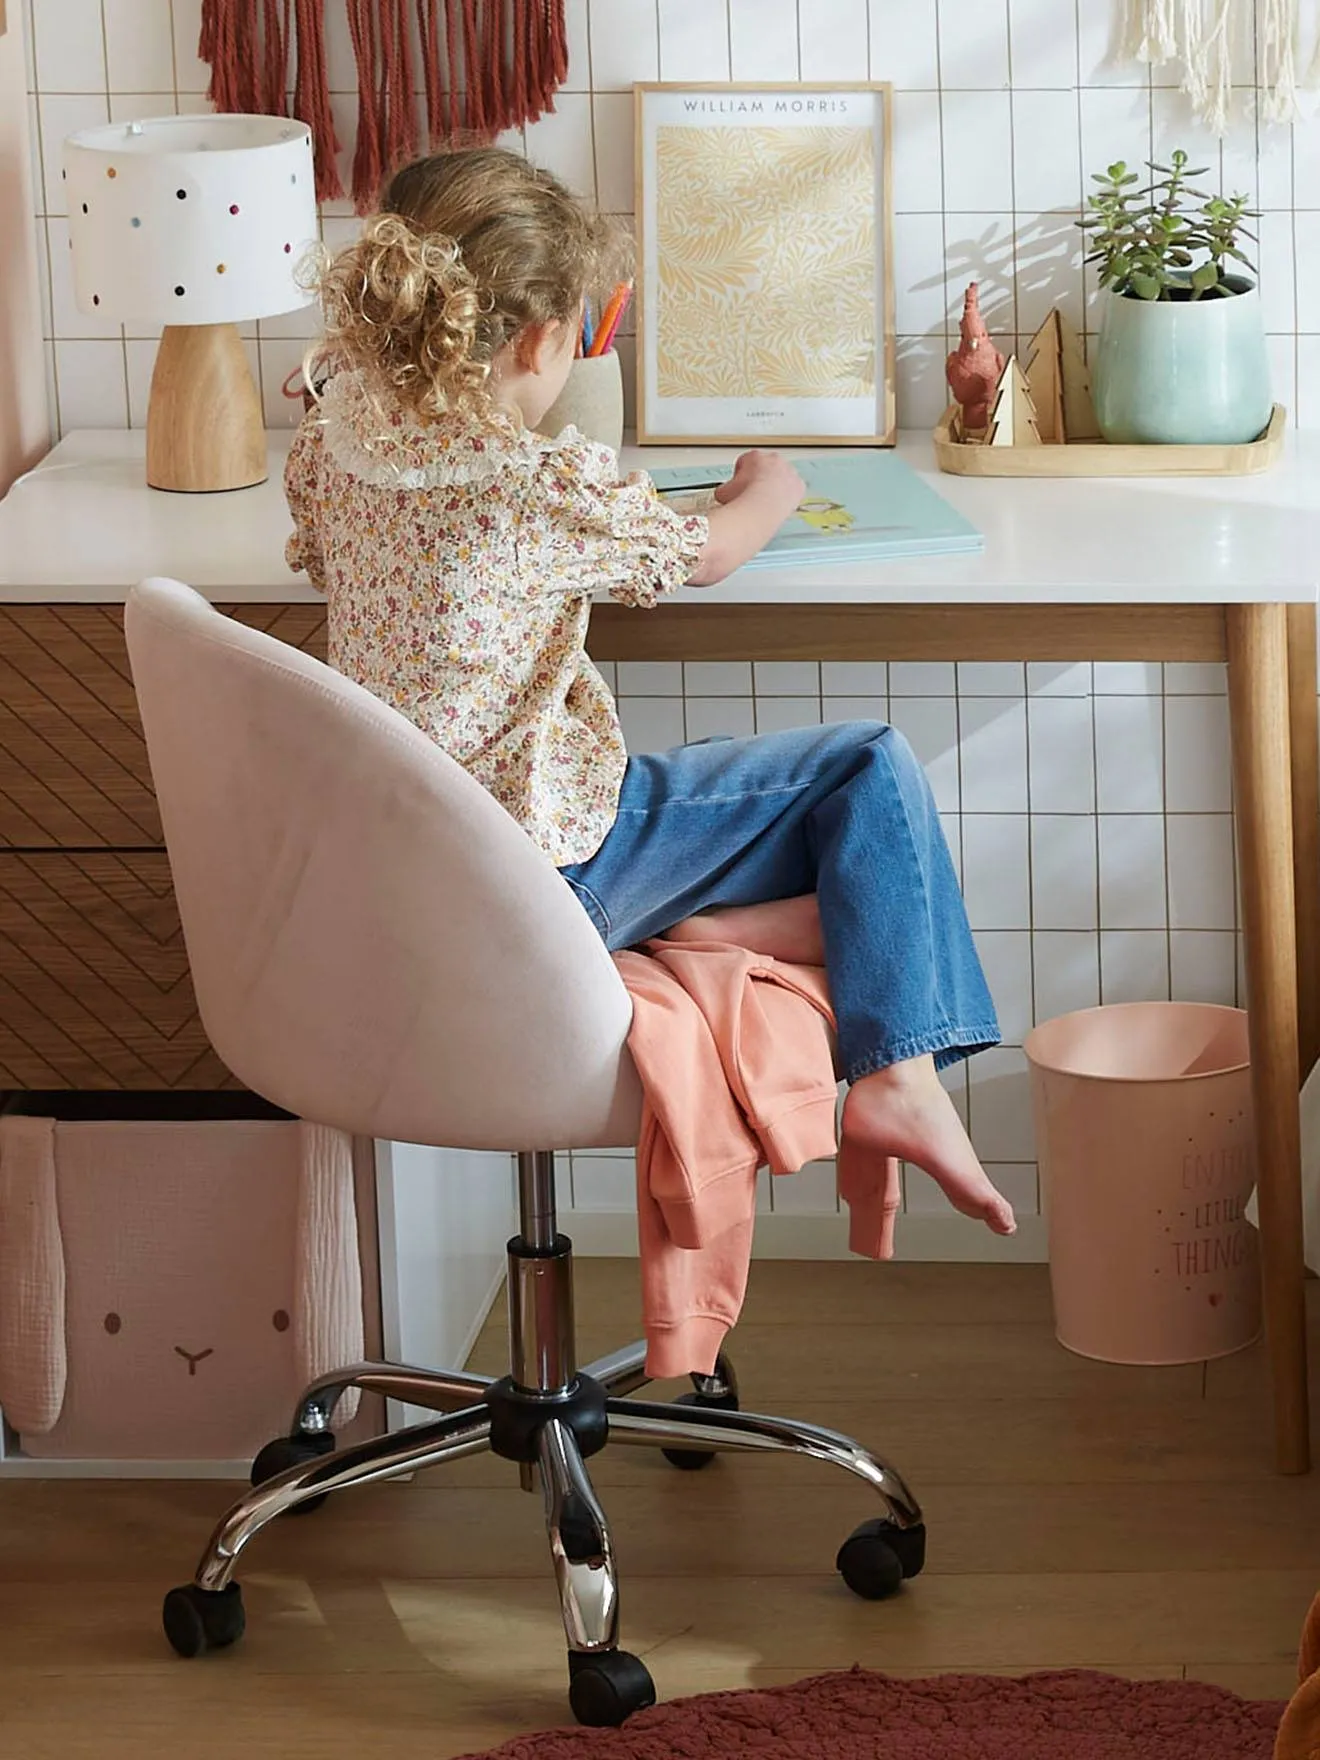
(735, 1053)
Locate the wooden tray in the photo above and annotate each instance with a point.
(1096, 459)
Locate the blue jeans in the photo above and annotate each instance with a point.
(844, 812)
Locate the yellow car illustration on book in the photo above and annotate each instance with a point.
(824, 515)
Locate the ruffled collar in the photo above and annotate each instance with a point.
(372, 437)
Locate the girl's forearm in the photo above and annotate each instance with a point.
(738, 530)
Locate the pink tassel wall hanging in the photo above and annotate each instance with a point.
(485, 66)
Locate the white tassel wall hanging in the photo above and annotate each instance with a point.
(1148, 32)
(1278, 63)
(1205, 36)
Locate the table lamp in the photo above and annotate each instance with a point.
(196, 223)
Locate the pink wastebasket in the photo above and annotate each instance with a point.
(1147, 1160)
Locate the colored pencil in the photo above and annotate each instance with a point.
(587, 331)
(602, 329)
(616, 320)
(605, 329)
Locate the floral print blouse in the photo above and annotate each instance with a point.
(458, 563)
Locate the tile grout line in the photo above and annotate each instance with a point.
(1168, 897)
(1081, 169)
(1164, 833)
(1095, 773)
(944, 189)
(109, 106)
(174, 56)
(591, 105)
(1297, 301)
(583, 91)
(54, 386)
(1012, 180)
(1031, 877)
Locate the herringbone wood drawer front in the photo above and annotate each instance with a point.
(94, 985)
(73, 764)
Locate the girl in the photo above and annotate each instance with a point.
(459, 549)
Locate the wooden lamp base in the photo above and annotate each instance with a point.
(205, 427)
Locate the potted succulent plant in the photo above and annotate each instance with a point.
(1182, 354)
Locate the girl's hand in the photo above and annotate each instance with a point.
(768, 474)
(742, 475)
(762, 493)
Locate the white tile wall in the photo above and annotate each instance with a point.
(1002, 110)
(1087, 807)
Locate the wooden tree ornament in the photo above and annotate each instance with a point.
(1044, 376)
(1013, 415)
(1079, 421)
(486, 66)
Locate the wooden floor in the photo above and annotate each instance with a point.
(1079, 1514)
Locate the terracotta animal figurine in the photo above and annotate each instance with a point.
(973, 369)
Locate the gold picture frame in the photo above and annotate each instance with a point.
(724, 173)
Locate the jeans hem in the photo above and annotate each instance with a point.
(597, 915)
(948, 1044)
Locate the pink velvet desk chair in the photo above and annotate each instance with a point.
(376, 945)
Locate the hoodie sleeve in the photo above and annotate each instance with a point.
(696, 1177)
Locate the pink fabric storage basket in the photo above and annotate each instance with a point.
(168, 1286)
(1147, 1160)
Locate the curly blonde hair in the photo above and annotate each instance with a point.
(467, 250)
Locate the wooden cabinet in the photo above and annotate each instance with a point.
(94, 985)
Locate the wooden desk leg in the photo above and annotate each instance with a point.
(1304, 738)
(1258, 693)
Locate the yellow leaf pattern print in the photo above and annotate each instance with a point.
(766, 253)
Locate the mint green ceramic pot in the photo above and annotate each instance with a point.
(1190, 372)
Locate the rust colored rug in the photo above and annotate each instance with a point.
(864, 1716)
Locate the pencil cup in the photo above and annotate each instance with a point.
(591, 401)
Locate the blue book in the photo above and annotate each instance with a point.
(859, 507)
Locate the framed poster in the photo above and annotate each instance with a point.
(766, 295)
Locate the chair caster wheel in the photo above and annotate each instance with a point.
(292, 1451)
(875, 1558)
(605, 1687)
(692, 1460)
(197, 1620)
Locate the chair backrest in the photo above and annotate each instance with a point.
(374, 942)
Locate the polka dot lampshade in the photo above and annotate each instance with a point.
(190, 219)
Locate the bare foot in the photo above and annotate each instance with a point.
(784, 928)
(904, 1111)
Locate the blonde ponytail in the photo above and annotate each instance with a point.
(401, 304)
(467, 250)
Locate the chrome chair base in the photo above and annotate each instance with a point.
(550, 1418)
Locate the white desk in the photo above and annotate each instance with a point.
(82, 527)
(1160, 569)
